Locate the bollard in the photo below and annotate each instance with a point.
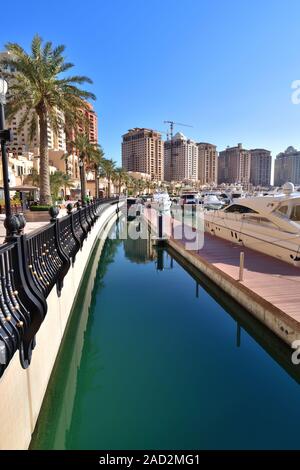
(160, 226)
(172, 226)
(242, 261)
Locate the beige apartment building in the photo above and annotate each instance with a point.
(207, 163)
(21, 142)
(261, 165)
(234, 165)
(287, 167)
(143, 152)
(181, 159)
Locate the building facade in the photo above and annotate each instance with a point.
(207, 163)
(234, 165)
(143, 152)
(260, 167)
(287, 167)
(21, 142)
(181, 159)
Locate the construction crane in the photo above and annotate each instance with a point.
(172, 124)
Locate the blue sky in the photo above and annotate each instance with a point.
(224, 67)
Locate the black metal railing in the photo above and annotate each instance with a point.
(30, 266)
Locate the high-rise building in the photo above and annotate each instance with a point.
(88, 126)
(21, 142)
(143, 151)
(234, 165)
(207, 163)
(287, 167)
(260, 167)
(181, 159)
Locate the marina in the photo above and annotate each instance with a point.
(269, 288)
(149, 232)
(168, 368)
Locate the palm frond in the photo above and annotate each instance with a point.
(36, 47)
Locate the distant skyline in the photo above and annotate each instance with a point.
(226, 68)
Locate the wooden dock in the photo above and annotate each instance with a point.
(270, 289)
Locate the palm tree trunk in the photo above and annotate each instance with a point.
(108, 186)
(45, 192)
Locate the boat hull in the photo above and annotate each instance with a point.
(285, 247)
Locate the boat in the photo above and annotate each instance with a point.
(189, 197)
(268, 224)
(134, 207)
(161, 201)
(237, 193)
(212, 202)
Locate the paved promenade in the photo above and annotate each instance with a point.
(29, 227)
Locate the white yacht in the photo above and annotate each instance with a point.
(189, 197)
(237, 193)
(212, 202)
(269, 224)
(161, 201)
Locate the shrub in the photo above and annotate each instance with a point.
(39, 208)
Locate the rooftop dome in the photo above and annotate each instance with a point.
(179, 136)
(288, 188)
(290, 149)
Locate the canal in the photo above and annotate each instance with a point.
(157, 358)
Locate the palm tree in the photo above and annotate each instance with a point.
(121, 178)
(33, 178)
(95, 160)
(140, 186)
(67, 182)
(41, 94)
(88, 153)
(108, 167)
(57, 180)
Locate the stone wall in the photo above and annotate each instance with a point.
(22, 391)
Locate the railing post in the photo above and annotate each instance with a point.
(54, 211)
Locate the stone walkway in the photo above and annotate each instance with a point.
(29, 227)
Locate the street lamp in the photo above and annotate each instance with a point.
(11, 223)
(82, 182)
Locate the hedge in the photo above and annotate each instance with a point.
(39, 208)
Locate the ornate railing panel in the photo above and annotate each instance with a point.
(69, 241)
(78, 230)
(30, 266)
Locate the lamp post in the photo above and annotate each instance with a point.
(97, 185)
(11, 223)
(82, 182)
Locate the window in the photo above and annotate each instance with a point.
(283, 210)
(295, 214)
(240, 209)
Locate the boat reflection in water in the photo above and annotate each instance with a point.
(140, 368)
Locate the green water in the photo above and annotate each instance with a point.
(159, 359)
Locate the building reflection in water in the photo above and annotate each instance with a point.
(139, 249)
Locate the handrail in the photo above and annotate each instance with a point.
(30, 266)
